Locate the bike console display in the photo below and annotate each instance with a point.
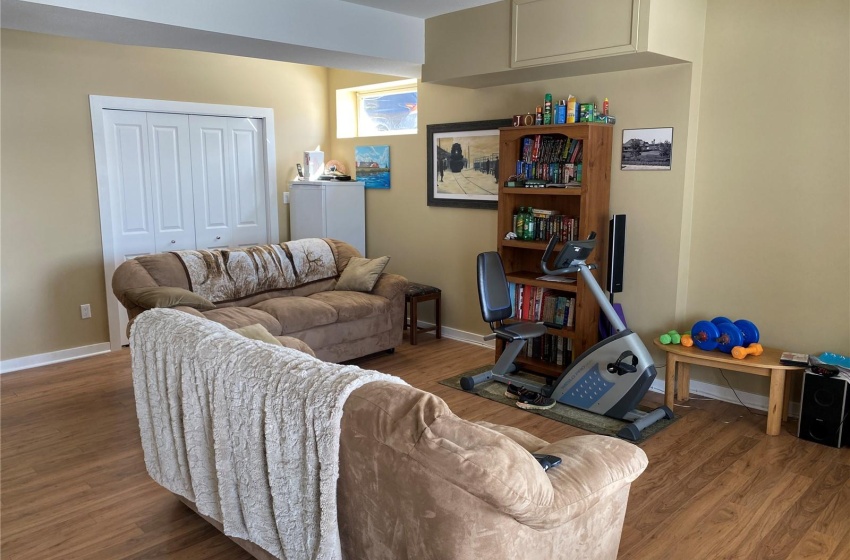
(574, 252)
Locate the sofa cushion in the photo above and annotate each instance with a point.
(235, 317)
(166, 296)
(297, 313)
(353, 305)
(258, 332)
(361, 274)
(295, 344)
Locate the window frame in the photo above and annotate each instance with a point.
(367, 93)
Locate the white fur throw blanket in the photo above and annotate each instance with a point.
(247, 431)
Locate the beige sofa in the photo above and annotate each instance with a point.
(415, 481)
(289, 289)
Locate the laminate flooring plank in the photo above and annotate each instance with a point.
(727, 531)
(793, 525)
(667, 505)
(824, 537)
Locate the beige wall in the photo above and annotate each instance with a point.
(771, 187)
(771, 234)
(51, 250)
(438, 245)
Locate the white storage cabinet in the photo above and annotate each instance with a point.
(334, 209)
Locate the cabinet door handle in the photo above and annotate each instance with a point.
(217, 237)
(174, 241)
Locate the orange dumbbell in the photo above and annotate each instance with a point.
(740, 352)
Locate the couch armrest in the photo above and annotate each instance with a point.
(390, 286)
(527, 441)
(593, 469)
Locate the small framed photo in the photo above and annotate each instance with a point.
(463, 164)
(647, 149)
(373, 166)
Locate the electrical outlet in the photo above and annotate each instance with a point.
(85, 311)
(286, 198)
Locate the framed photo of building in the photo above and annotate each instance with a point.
(463, 164)
(647, 149)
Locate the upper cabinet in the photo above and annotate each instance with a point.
(550, 31)
(516, 41)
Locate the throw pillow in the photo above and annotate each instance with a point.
(361, 274)
(258, 332)
(165, 296)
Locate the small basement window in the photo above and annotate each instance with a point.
(378, 110)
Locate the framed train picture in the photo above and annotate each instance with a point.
(463, 164)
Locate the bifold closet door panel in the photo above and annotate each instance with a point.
(228, 175)
(210, 162)
(247, 177)
(129, 184)
(171, 181)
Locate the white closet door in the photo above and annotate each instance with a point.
(128, 160)
(171, 181)
(129, 181)
(210, 162)
(248, 181)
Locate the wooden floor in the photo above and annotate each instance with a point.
(74, 483)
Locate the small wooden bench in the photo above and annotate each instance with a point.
(765, 365)
(416, 294)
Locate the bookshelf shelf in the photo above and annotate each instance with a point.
(531, 279)
(587, 202)
(542, 191)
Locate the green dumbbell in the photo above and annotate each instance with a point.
(671, 337)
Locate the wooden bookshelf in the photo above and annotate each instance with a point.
(588, 203)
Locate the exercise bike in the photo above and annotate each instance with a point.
(610, 378)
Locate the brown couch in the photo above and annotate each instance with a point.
(418, 483)
(415, 482)
(336, 325)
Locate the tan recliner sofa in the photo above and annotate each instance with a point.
(417, 482)
(306, 315)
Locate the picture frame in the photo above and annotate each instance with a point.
(647, 149)
(463, 164)
(372, 166)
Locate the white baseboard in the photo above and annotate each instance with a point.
(36, 360)
(725, 394)
(717, 392)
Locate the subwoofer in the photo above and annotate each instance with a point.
(824, 410)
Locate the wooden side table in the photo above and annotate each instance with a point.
(765, 365)
(416, 294)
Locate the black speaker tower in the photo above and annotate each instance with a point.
(824, 410)
(616, 253)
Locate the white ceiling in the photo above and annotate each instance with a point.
(423, 9)
(376, 36)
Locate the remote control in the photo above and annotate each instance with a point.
(547, 461)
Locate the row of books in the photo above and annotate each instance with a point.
(546, 226)
(551, 348)
(562, 173)
(549, 149)
(533, 303)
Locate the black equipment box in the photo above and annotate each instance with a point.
(824, 409)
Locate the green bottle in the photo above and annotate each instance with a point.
(520, 223)
(529, 224)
